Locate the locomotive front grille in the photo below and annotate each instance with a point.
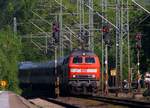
(84, 76)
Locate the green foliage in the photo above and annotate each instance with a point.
(31, 53)
(145, 52)
(9, 55)
(22, 9)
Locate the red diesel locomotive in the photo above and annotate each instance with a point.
(80, 73)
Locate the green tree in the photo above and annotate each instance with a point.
(10, 46)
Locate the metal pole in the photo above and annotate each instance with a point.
(80, 8)
(121, 61)
(106, 69)
(56, 75)
(121, 45)
(46, 44)
(83, 30)
(56, 60)
(61, 32)
(138, 73)
(102, 51)
(91, 40)
(102, 64)
(70, 37)
(124, 34)
(104, 22)
(117, 44)
(82, 12)
(15, 25)
(128, 35)
(77, 9)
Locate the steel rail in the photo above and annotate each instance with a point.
(119, 101)
(55, 101)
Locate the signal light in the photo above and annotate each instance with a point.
(106, 35)
(56, 31)
(138, 36)
(105, 29)
(138, 41)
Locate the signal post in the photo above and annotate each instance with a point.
(113, 75)
(106, 38)
(57, 84)
(138, 47)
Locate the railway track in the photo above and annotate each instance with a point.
(73, 102)
(95, 102)
(56, 101)
(119, 101)
(50, 103)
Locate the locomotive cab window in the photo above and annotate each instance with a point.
(77, 60)
(89, 60)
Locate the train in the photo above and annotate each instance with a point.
(78, 73)
(36, 78)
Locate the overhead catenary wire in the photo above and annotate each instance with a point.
(141, 6)
(102, 17)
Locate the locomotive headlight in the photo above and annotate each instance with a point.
(93, 76)
(83, 54)
(74, 76)
(92, 70)
(75, 70)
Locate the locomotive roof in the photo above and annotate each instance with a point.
(60, 60)
(33, 65)
(81, 52)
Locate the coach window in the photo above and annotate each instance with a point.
(89, 60)
(77, 60)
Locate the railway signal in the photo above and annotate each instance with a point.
(106, 35)
(113, 75)
(138, 41)
(56, 31)
(138, 46)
